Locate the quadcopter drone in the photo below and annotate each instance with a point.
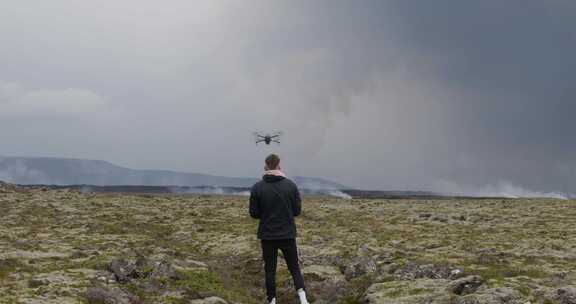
(267, 138)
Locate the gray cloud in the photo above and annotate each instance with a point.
(16, 100)
(374, 94)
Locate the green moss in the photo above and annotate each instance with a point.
(182, 226)
(95, 262)
(8, 266)
(524, 290)
(203, 281)
(501, 271)
(404, 292)
(548, 301)
(350, 300)
(395, 293)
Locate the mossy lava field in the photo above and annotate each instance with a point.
(63, 246)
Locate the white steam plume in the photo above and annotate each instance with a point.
(208, 190)
(500, 189)
(323, 189)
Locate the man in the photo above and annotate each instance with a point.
(275, 200)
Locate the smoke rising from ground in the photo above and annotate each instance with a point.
(213, 190)
(319, 188)
(499, 189)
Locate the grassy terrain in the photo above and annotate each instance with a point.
(56, 244)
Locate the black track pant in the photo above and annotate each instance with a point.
(270, 255)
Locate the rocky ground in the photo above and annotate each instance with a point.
(69, 247)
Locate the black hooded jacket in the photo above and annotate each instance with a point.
(275, 200)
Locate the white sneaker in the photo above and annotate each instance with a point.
(302, 296)
(273, 301)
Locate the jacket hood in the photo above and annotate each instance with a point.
(272, 178)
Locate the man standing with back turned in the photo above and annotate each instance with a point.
(275, 200)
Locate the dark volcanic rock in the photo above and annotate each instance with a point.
(122, 270)
(101, 295)
(125, 271)
(164, 270)
(466, 285)
(359, 266)
(413, 271)
(324, 282)
(566, 295)
(35, 283)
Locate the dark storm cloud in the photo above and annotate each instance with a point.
(513, 64)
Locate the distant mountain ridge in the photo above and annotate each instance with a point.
(68, 171)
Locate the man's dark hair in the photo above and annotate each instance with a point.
(272, 161)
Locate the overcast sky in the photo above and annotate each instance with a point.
(444, 95)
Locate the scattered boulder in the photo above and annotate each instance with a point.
(439, 218)
(566, 295)
(122, 270)
(35, 283)
(359, 266)
(324, 282)
(425, 215)
(466, 285)
(149, 275)
(460, 218)
(125, 271)
(162, 270)
(412, 271)
(102, 295)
